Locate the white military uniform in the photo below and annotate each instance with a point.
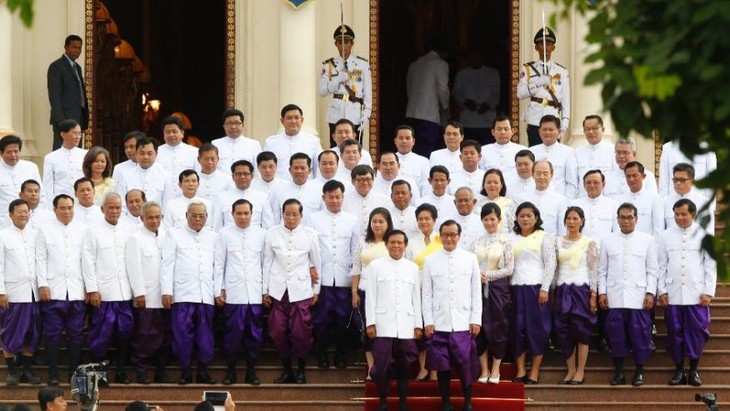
(393, 305)
(231, 150)
(284, 146)
(452, 292)
(650, 209)
(238, 264)
(339, 235)
(600, 213)
(565, 167)
(559, 86)
(155, 181)
(175, 212)
(61, 168)
(58, 260)
(143, 257)
(262, 214)
(288, 256)
(187, 267)
(552, 208)
(17, 264)
(627, 269)
(358, 80)
(213, 184)
(686, 270)
(103, 261)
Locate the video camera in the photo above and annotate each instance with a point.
(85, 384)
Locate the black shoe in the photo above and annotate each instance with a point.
(103, 383)
(340, 361)
(300, 378)
(53, 380)
(142, 378)
(618, 379)
(530, 381)
(576, 382)
(230, 377)
(679, 378)
(638, 380)
(520, 379)
(323, 360)
(285, 378)
(468, 407)
(603, 346)
(564, 382)
(204, 378)
(185, 378)
(161, 377)
(29, 377)
(121, 378)
(693, 378)
(252, 379)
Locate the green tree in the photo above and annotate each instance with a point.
(23, 7)
(664, 67)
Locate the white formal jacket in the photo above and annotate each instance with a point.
(393, 305)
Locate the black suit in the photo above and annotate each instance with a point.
(65, 96)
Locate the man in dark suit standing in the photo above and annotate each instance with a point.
(66, 89)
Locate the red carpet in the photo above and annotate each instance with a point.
(424, 396)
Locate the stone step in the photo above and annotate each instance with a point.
(660, 358)
(718, 325)
(120, 405)
(650, 394)
(716, 342)
(720, 308)
(619, 406)
(652, 375)
(722, 290)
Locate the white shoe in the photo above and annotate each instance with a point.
(493, 380)
(483, 380)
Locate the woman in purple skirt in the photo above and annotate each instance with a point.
(496, 263)
(535, 262)
(575, 295)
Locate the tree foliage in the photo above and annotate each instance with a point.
(24, 9)
(664, 67)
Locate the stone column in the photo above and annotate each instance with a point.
(297, 60)
(6, 83)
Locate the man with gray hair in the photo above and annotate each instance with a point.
(107, 285)
(151, 323)
(616, 185)
(551, 204)
(186, 278)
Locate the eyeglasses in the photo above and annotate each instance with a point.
(626, 217)
(364, 180)
(449, 235)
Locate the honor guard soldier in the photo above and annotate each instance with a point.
(347, 78)
(546, 85)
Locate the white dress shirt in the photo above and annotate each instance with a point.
(176, 212)
(480, 85)
(552, 208)
(671, 156)
(686, 270)
(415, 168)
(599, 156)
(565, 167)
(452, 292)
(213, 184)
(309, 194)
(261, 215)
(178, 158)
(361, 207)
(17, 264)
(365, 158)
(121, 168)
(288, 256)
(61, 168)
(650, 208)
(427, 87)
(40, 217)
(471, 228)
(103, 262)
(616, 185)
(88, 215)
(384, 187)
(600, 213)
(444, 204)
(627, 269)
(517, 185)
(700, 201)
(393, 305)
(142, 257)
(449, 159)
(339, 235)
(155, 181)
(285, 146)
(501, 157)
(58, 260)
(231, 150)
(463, 178)
(187, 268)
(11, 178)
(270, 187)
(238, 264)
(404, 220)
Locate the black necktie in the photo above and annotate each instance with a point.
(79, 79)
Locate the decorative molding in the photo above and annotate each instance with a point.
(514, 52)
(89, 22)
(374, 24)
(230, 86)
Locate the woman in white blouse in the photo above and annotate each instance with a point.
(534, 271)
(496, 263)
(98, 167)
(370, 248)
(575, 295)
(494, 190)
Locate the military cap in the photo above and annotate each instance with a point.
(343, 31)
(546, 32)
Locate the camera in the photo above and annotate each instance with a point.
(85, 384)
(217, 398)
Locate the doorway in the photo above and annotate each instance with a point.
(405, 26)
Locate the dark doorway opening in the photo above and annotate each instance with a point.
(182, 43)
(406, 26)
